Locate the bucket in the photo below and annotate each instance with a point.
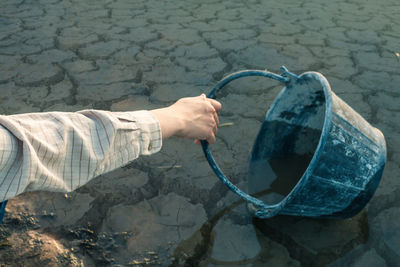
(313, 156)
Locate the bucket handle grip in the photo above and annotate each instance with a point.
(262, 209)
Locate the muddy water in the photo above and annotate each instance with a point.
(281, 155)
(273, 179)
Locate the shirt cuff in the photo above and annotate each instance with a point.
(149, 126)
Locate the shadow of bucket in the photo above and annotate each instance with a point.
(344, 155)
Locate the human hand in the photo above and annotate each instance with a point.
(190, 117)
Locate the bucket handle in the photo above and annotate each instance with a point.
(262, 209)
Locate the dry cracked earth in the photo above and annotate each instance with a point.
(169, 209)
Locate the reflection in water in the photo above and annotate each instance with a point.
(281, 155)
(315, 242)
(197, 247)
(311, 242)
(273, 179)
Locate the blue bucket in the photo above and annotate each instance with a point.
(313, 156)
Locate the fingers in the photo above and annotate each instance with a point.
(216, 117)
(215, 104)
(211, 138)
(216, 107)
(208, 125)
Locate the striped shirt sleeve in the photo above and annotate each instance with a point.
(60, 151)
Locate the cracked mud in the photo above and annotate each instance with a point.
(170, 209)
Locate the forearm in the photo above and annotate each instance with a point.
(62, 151)
(170, 122)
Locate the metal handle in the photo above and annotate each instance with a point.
(262, 211)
